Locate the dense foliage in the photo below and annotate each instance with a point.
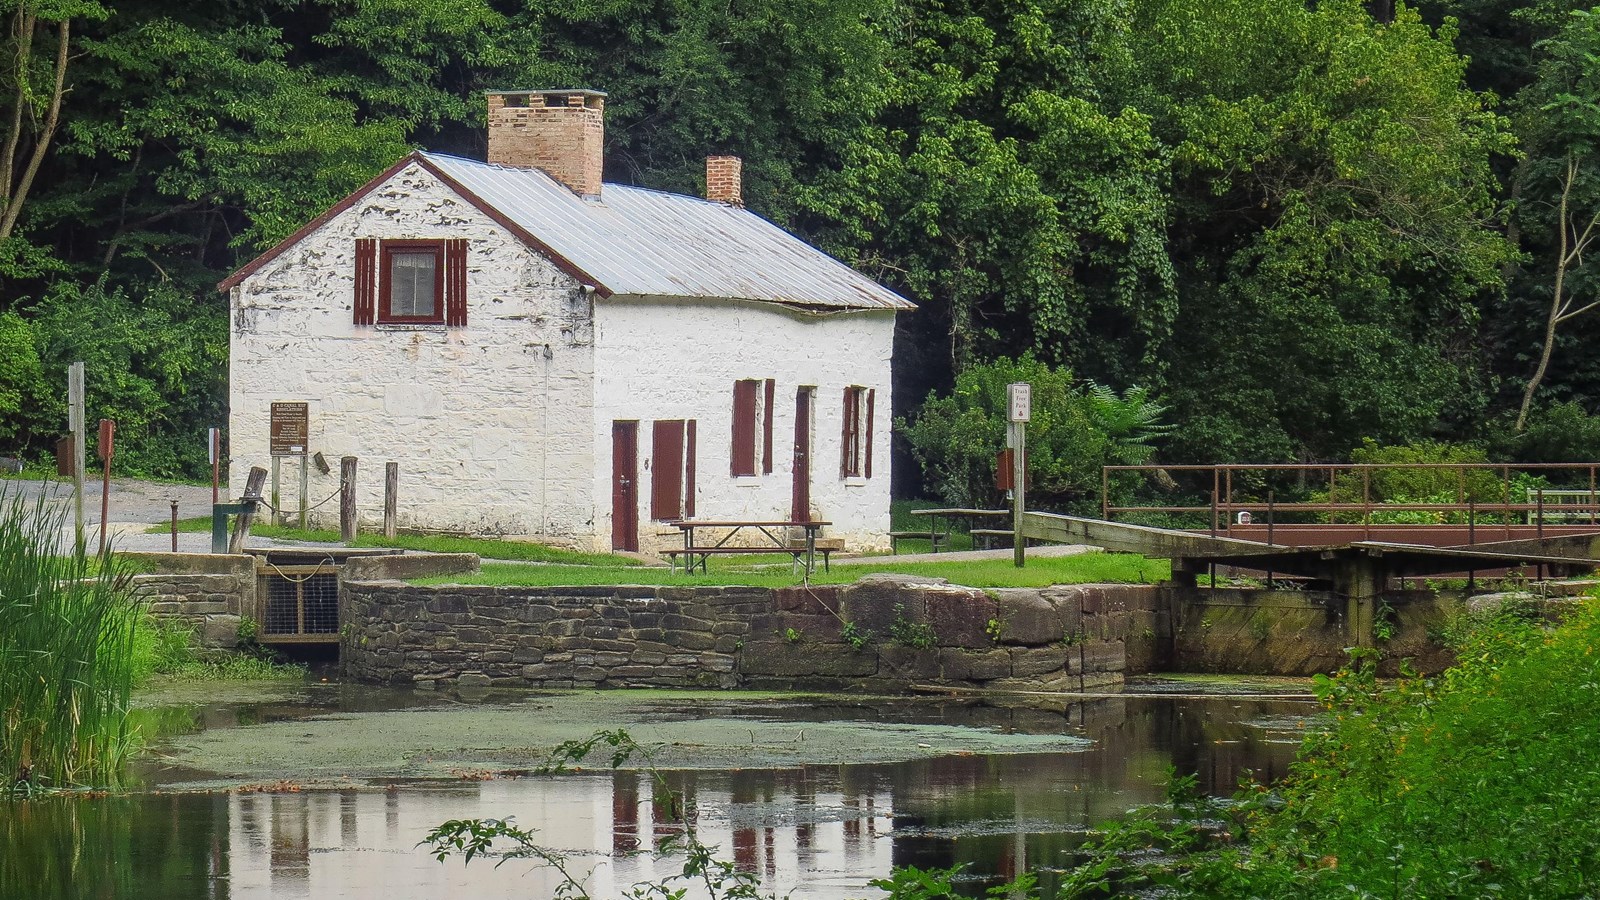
(1464, 785)
(1297, 225)
(1073, 431)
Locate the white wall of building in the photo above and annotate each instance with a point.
(661, 358)
(491, 424)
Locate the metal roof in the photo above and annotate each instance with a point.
(650, 243)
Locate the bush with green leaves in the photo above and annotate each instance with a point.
(1479, 782)
(1076, 428)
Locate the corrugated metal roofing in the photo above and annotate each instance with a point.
(650, 243)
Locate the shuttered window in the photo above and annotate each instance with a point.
(421, 282)
(855, 439)
(668, 476)
(752, 423)
(366, 302)
(766, 429)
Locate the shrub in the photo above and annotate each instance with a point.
(1074, 431)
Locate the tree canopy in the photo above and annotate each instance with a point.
(1296, 226)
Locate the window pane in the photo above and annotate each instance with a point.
(411, 280)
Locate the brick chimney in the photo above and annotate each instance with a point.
(725, 180)
(561, 133)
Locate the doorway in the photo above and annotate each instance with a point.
(625, 485)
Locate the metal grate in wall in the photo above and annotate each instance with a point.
(299, 601)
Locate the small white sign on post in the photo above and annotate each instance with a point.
(1021, 397)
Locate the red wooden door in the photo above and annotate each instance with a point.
(625, 486)
(800, 510)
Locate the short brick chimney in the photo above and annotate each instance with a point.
(561, 133)
(725, 180)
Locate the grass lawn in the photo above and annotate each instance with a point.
(1081, 569)
(488, 548)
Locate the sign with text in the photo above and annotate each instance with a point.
(1021, 401)
(291, 426)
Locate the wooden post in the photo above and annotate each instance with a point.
(252, 496)
(347, 499)
(75, 426)
(277, 495)
(215, 437)
(391, 497)
(305, 489)
(1019, 456)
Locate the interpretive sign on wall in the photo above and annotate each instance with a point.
(291, 426)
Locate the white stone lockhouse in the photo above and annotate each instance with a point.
(545, 354)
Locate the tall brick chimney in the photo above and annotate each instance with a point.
(561, 133)
(725, 179)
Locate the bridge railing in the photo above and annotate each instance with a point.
(1353, 493)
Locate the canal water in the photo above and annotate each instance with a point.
(325, 791)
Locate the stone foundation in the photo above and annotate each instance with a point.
(883, 633)
(210, 593)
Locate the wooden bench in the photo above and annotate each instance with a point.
(987, 538)
(933, 537)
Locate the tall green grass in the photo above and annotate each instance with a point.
(67, 626)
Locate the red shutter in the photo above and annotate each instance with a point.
(766, 432)
(366, 280)
(455, 282)
(666, 471)
(872, 397)
(845, 432)
(688, 469)
(743, 456)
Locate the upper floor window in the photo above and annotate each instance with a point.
(411, 282)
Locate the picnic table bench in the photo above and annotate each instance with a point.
(934, 535)
(804, 550)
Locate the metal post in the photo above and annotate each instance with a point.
(1271, 502)
(347, 499)
(1018, 475)
(103, 446)
(75, 425)
(1472, 535)
(174, 526)
(391, 498)
(305, 488)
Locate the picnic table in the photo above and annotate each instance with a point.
(933, 534)
(696, 553)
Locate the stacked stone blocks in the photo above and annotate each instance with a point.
(882, 633)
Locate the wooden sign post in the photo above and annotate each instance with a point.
(75, 427)
(290, 431)
(1019, 410)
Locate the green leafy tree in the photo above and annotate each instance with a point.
(1074, 431)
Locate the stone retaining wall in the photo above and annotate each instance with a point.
(881, 633)
(209, 592)
(1280, 632)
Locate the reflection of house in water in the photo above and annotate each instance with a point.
(821, 831)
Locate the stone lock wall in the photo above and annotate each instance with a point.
(208, 592)
(881, 633)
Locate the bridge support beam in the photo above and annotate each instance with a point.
(1360, 581)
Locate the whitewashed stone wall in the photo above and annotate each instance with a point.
(678, 359)
(490, 424)
(504, 426)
